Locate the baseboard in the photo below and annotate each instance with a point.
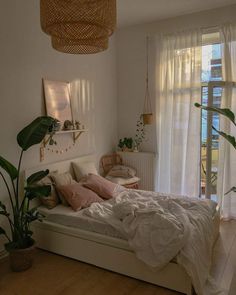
(3, 254)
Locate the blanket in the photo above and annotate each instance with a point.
(160, 227)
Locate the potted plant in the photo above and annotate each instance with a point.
(231, 139)
(126, 144)
(20, 244)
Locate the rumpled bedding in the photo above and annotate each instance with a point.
(160, 227)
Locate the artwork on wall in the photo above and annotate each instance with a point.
(57, 100)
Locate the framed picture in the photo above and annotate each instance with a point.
(57, 100)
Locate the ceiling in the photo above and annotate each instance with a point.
(132, 12)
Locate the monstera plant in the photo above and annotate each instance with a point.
(20, 214)
(231, 116)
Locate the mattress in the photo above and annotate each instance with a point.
(65, 216)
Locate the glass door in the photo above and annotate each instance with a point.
(211, 96)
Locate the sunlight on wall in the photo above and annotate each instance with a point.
(83, 108)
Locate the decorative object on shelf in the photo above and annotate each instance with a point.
(78, 26)
(126, 144)
(77, 125)
(68, 125)
(147, 107)
(57, 100)
(140, 134)
(20, 244)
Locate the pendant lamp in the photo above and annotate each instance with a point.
(147, 107)
(78, 26)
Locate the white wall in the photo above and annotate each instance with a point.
(26, 56)
(131, 62)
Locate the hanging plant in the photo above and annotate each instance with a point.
(140, 132)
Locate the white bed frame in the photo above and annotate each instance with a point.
(103, 251)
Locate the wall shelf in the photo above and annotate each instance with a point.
(75, 135)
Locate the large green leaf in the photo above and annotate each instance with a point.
(35, 132)
(37, 176)
(37, 191)
(229, 138)
(225, 112)
(9, 168)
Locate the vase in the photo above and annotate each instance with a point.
(21, 259)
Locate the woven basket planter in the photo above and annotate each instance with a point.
(147, 119)
(21, 259)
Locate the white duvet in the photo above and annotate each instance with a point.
(160, 227)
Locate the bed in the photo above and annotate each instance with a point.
(101, 245)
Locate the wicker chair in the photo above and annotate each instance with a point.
(109, 161)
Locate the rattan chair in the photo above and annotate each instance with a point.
(109, 161)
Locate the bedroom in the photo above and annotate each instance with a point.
(109, 89)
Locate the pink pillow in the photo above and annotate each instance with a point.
(103, 187)
(77, 196)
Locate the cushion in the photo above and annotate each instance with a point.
(52, 200)
(62, 179)
(83, 169)
(103, 187)
(123, 181)
(122, 171)
(77, 196)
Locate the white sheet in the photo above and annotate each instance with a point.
(158, 227)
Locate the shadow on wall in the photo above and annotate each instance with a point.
(83, 109)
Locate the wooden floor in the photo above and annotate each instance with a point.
(54, 275)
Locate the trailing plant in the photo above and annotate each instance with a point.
(127, 142)
(231, 116)
(21, 215)
(140, 132)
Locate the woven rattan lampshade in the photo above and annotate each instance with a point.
(82, 46)
(71, 22)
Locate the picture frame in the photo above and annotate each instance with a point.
(58, 100)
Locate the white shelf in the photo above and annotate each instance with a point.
(75, 133)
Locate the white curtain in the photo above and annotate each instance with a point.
(178, 120)
(227, 154)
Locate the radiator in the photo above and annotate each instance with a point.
(145, 164)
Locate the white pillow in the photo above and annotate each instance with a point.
(82, 169)
(62, 179)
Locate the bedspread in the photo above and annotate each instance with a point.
(159, 227)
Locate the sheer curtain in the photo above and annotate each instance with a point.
(227, 154)
(177, 119)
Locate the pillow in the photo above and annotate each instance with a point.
(83, 169)
(122, 171)
(103, 187)
(78, 196)
(62, 179)
(52, 200)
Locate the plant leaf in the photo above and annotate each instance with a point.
(225, 112)
(9, 168)
(37, 176)
(35, 132)
(2, 231)
(37, 191)
(233, 189)
(229, 138)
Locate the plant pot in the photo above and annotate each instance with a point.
(21, 259)
(147, 119)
